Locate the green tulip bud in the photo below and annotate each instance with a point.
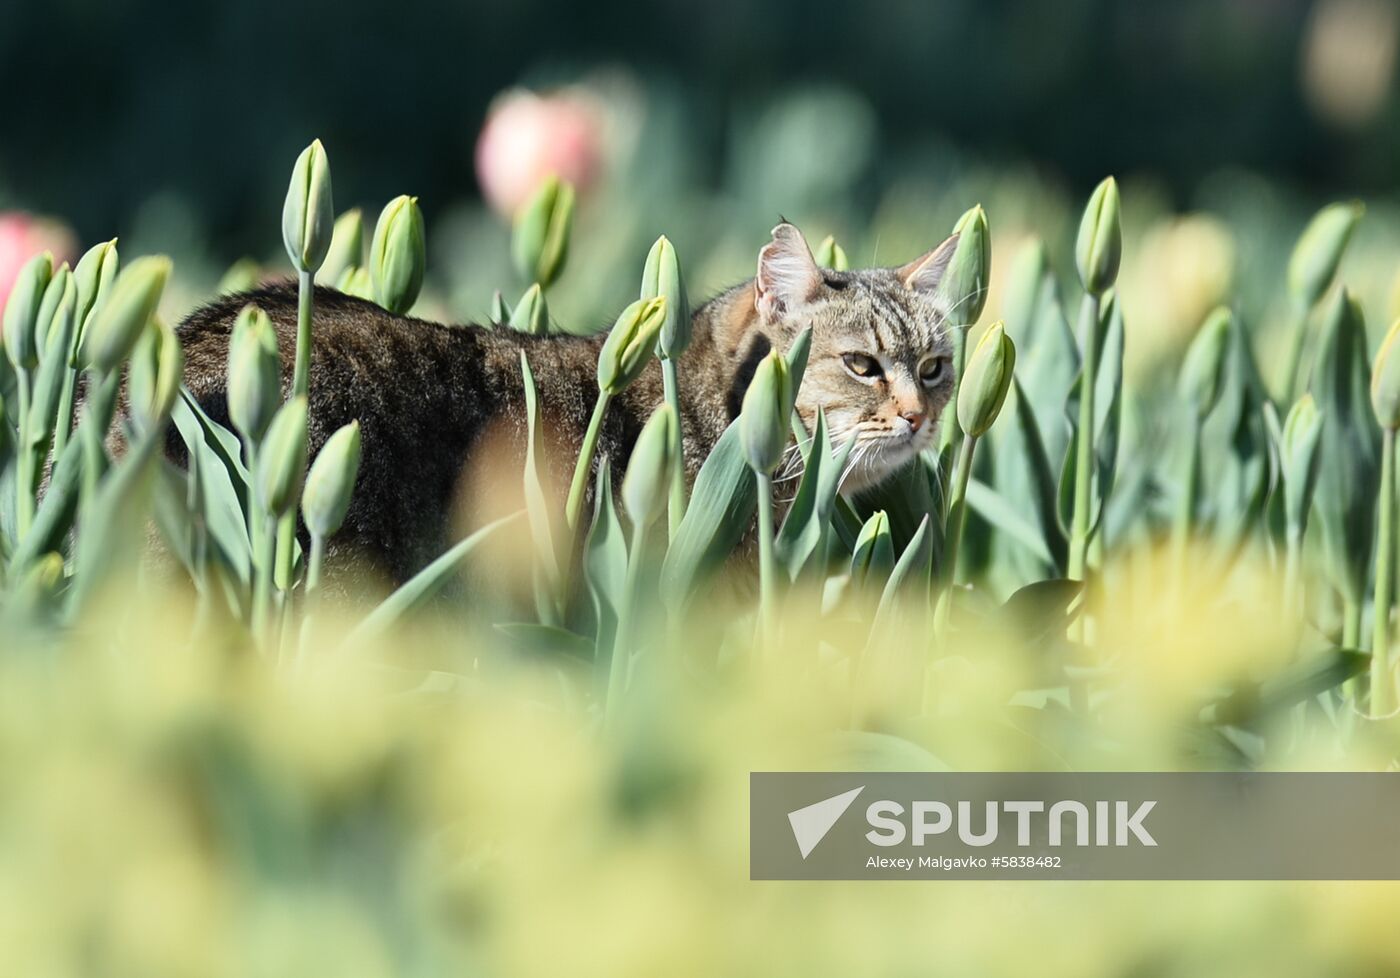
(282, 459)
(830, 255)
(500, 312)
(153, 379)
(662, 276)
(1302, 433)
(540, 242)
(647, 485)
(986, 381)
(1204, 364)
(397, 255)
(242, 276)
(94, 275)
(630, 344)
(1100, 244)
(119, 321)
(1385, 382)
(347, 246)
(308, 216)
(331, 481)
(1319, 251)
(55, 331)
(22, 311)
(254, 373)
(356, 282)
(764, 421)
(963, 287)
(872, 558)
(59, 286)
(531, 313)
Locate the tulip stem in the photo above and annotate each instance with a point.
(953, 531)
(1351, 623)
(63, 423)
(24, 462)
(262, 588)
(1084, 460)
(1186, 502)
(98, 406)
(676, 507)
(949, 433)
(767, 559)
(306, 300)
(574, 508)
(1381, 684)
(313, 564)
(621, 664)
(301, 385)
(1292, 578)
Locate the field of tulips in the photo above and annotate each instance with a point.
(215, 767)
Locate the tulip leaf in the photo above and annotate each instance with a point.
(816, 454)
(1253, 704)
(1344, 500)
(114, 528)
(913, 568)
(7, 511)
(170, 507)
(1047, 358)
(796, 357)
(532, 636)
(1023, 451)
(1236, 448)
(547, 572)
(420, 589)
(222, 486)
(56, 511)
(605, 560)
(847, 523)
(1043, 608)
(721, 510)
(1002, 515)
(225, 444)
(802, 539)
(1064, 511)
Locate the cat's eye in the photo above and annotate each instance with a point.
(862, 365)
(932, 370)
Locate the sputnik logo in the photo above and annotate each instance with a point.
(811, 824)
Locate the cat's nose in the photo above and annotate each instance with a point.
(916, 419)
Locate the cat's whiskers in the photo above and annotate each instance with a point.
(792, 466)
(976, 294)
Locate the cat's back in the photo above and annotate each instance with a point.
(351, 339)
(440, 407)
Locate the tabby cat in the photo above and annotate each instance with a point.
(442, 407)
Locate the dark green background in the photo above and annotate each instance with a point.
(106, 103)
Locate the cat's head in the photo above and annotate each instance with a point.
(881, 356)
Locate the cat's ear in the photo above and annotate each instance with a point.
(788, 276)
(925, 272)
